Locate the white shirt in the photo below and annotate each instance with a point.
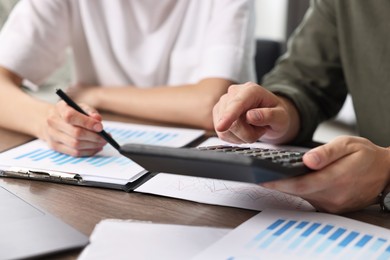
(131, 42)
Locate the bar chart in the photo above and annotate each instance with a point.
(282, 234)
(42, 154)
(141, 136)
(108, 164)
(314, 239)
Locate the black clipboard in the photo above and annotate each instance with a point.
(71, 178)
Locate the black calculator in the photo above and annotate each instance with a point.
(225, 162)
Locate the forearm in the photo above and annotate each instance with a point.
(188, 104)
(19, 111)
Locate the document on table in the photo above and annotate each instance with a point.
(221, 192)
(119, 239)
(280, 234)
(106, 166)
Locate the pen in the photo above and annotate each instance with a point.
(72, 104)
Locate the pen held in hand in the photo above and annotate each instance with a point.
(72, 104)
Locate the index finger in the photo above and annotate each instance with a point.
(73, 117)
(238, 100)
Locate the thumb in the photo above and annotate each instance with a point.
(326, 154)
(254, 117)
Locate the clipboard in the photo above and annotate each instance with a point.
(108, 169)
(71, 178)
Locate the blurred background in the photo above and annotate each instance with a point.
(275, 21)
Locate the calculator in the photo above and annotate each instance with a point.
(225, 162)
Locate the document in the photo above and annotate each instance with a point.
(120, 239)
(108, 166)
(110, 169)
(281, 234)
(221, 192)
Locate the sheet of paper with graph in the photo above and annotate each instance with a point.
(108, 165)
(222, 192)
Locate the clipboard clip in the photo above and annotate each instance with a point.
(38, 174)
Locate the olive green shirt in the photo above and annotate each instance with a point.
(341, 46)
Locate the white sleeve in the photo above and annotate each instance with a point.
(229, 49)
(34, 38)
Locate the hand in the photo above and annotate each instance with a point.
(350, 174)
(68, 131)
(248, 112)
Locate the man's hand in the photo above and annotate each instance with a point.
(248, 112)
(350, 174)
(68, 131)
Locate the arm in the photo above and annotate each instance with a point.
(311, 74)
(310, 79)
(187, 104)
(26, 52)
(14, 103)
(63, 128)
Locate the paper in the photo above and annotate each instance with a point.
(221, 192)
(115, 239)
(280, 234)
(106, 166)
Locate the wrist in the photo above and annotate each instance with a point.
(293, 116)
(43, 115)
(384, 196)
(384, 199)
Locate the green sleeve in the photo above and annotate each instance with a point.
(310, 73)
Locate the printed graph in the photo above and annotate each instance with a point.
(141, 136)
(42, 154)
(307, 239)
(106, 157)
(284, 234)
(109, 163)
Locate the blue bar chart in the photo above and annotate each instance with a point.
(314, 239)
(141, 136)
(282, 234)
(42, 155)
(108, 165)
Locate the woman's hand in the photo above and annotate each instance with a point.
(68, 131)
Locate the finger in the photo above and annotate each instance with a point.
(92, 112)
(331, 177)
(302, 185)
(245, 132)
(326, 154)
(237, 101)
(227, 114)
(66, 133)
(230, 137)
(73, 117)
(274, 117)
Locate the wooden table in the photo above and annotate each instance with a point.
(84, 207)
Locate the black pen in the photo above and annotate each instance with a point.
(72, 104)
